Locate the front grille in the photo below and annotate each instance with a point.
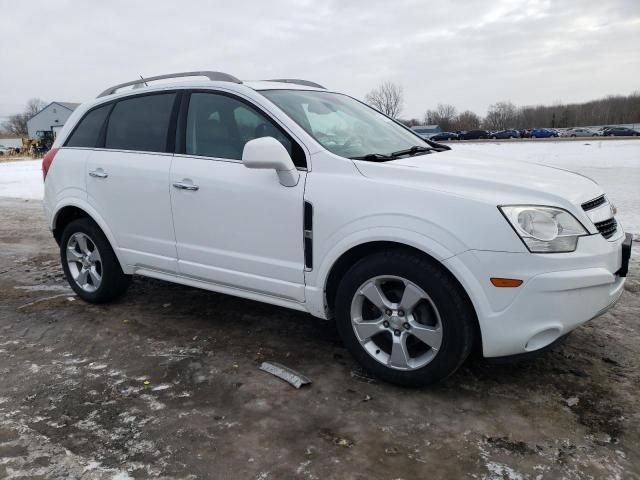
(607, 228)
(591, 204)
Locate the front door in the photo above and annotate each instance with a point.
(234, 226)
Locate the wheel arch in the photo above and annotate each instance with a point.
(72, 210)
(354, 254)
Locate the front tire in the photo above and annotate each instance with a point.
(404, 318)
(89, 263)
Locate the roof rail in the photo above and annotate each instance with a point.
(214, 76)
(297, 81)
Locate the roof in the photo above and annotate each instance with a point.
(68, 105)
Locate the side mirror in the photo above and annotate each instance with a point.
(267, 152)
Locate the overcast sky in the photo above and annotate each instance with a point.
(468, 53)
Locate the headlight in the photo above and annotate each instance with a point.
(544, 229)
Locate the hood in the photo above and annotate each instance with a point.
(499, 181)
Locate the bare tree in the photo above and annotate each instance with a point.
(34, 105)
(501, 115)
(17, 124)
(467, 120)
(444, 116)
(388, 98)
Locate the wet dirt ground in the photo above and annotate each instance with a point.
(165, 384)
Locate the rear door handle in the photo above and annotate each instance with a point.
(186, 186)
(98, 173)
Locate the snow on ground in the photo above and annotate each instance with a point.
(614, 164)
(21, 179)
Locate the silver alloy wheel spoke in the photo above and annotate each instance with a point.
(81, 240)
(96, 278)
(427, 335)
(73, 255)
(399, 357)
(94, 256)
(365, 330)
(82, 277)
(375, 295)
(410, 297)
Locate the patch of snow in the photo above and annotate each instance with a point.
(43, 288)
(160, 387)
(22, 179)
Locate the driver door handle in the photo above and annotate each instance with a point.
(98, 173)
(186, 186)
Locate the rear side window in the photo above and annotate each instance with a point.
(140, 123)
(87, 132)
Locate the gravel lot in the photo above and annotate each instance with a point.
(165, 384)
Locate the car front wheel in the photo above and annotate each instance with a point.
(404, 318)
(89, 263)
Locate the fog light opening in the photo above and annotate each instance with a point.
(542, 339)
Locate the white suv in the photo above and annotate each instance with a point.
(284, 192)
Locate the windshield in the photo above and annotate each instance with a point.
(345, 126)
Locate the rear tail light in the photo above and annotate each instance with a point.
(47, 161)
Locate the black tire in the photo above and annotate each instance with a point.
(114, 282)
(457, 316)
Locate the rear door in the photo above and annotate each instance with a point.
(128, 179)
(235, 227)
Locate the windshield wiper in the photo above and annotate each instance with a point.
(373, 157)
(380, 157)
(411, 151)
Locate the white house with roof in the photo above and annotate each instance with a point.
(51, 118)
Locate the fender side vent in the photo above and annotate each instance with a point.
(308, 235)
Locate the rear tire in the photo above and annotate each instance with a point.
(402, 342)
(89, 263)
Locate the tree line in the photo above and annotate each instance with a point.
(611, 110)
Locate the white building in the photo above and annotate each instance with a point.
(51, 118)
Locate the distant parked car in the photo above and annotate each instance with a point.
(620, 132)
(474, 135)
(542, 133)
(505, 134)
(438, 137)
(5, 150)
(578, 132)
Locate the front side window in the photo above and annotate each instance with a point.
(87, 132)
(343, 125)
(219, 126)
(140, 123)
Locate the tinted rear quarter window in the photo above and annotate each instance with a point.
(140, 123)
(87, 132)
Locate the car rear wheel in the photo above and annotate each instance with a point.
(404, 318)
(89, 263)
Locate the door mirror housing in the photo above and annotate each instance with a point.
(269, 153)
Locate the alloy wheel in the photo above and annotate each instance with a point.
(396, 322)
(84, 262)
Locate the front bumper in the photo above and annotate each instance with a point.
(559, 292)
